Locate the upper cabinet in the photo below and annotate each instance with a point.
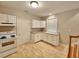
(12, 19)
(42, 24)
(35, 23)
(38, 24)
(7, 20)
(3, 17)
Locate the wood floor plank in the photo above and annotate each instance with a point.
(38, 50)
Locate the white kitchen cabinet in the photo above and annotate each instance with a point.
(12, 19)
(3, 18)
(44, 37)
(42, 24)
(37, 37)
(35, 23)
(53, 39)
(7, 20)
(38, 24)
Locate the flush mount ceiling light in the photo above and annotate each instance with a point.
(34, 4)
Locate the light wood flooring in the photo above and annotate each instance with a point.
(39, 50)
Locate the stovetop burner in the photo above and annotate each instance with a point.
(7, 35)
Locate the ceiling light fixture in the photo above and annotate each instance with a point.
(34, 4)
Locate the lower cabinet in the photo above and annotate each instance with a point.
(52, 39)
(36, 37)
(45, 37)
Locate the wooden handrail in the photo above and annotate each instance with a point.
(75, 48)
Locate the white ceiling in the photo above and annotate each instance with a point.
(45, 8)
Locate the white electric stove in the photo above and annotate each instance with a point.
(7, 43)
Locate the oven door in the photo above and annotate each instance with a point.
(7, 44)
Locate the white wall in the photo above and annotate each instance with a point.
(68, 24)
(23, 24)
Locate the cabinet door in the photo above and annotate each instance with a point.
(37, 37)
(56, 40)
(3, 18)
(38, 24)
(12, 19)
(35, 23)
(53, 39)
(42, 24)
(48, 38)
(44, 37)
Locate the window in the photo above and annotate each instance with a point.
(52, 25)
